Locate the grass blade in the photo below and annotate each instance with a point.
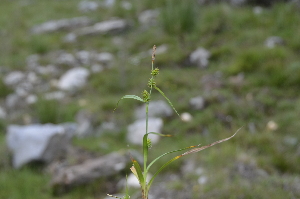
(162, 93)
(137, 171)
(129, 97)
(167, 154)
(163, 135)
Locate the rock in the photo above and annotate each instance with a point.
(90, 170)
(32, 61)
(158, 108)
(63, 24)
(84, 121)
(136, 131)
(272, 126)
(86, 6)
(56, 95)
(104, 58)
(257, 10)
(84, 57)
(96, 68)
(73, 79)
(2, 113)
(66, 59)
(186, 117)
(14, 101)
(273, 41)
(38, 142)
(49, 70)
(200, 57)
(132, 181)
(148, 17)
(31, 99)
(14, 78)
(105, 27)
(197, 103)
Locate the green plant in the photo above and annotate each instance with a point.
(178, 18)
(141, 173)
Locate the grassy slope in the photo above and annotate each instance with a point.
(235, 36)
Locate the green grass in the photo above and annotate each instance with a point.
(234, 35)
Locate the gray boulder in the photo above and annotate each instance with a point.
(73, 79)
(62, 24)
(136, 130)
(38, 142)
(105, 27)
(89, 170)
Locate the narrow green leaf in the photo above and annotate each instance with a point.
(129, 97)
(162, 93)
(167, 154)
(139, 172)
(163, 135)
(161, 168)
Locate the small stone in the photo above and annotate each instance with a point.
(186, 117)
(2, 113)
(14, 78)
(197, 103)
(86, 6)
(272, 126)
(73, 79)
(148, 17)
(200, 57)
(274, 41)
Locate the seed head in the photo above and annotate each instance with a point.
(155, 72)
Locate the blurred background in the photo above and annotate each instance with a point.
(64, 64)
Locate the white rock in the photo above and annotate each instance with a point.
(70, 38)
(186, 117)
(273, 41)
(148, 17)
(96, 68)
(32, 61)
(61, 24)
(200, 57)
(105, 27)
(132, 181)
(257, 10)
(73, 79)
(84, 57)
(85, 6)
(158, 108)
(37, 142)
(14, 78)
(197, 103)
(57, 95)
(136, 131)
(66, 59)
(126, 5)
(2, 113)
(31, 99)
(104, 58)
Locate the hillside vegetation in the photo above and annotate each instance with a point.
(246, 84)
